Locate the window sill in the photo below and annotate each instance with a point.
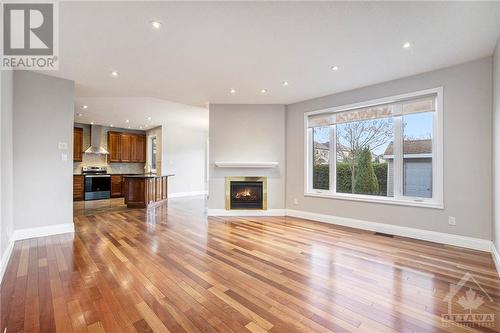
(373, 199)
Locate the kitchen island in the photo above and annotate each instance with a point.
(145, 191)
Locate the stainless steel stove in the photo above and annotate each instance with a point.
(97, 183)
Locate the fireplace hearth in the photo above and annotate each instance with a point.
(246, 193)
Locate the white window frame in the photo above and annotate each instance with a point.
(149, 152)
(437, 200)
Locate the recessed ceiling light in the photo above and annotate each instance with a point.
(127, 121)
(140, 127)
(156, 25)
(85, 106)
(285, 83)
(111, 125)
(114, 73)
(263, 91)
(79, 114)
(406, 45)
(91, 123)
(128, 127)
(149, 118)
(232, 91)
(335, 68)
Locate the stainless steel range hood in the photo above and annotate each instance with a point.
(95, 141)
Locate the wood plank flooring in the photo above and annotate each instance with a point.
(174, 270)
(94, 207)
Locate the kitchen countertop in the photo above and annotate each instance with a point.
(148, 176)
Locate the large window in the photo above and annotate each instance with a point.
(385, 150)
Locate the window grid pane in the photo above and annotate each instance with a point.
(321, 158)
(361, 163)
(417, 155)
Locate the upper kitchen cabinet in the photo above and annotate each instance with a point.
(77, 144)
(138, 148)
(142, 148)
(126, 147)
(114, 146)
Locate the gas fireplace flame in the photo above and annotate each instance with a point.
(243, 194)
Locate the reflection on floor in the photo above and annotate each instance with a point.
(172, 269)
(93, 207)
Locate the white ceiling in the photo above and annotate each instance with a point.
(137, 110)
(206, 48)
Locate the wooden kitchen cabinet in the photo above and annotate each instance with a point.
(125, 141)
(77, 144)
(158, 190)
(124, 188)
(134, 151)
(116, 186)
(126, 147)
(78, 187)
(141, 147)
(114, 146)
(138, 148)
(146, 191)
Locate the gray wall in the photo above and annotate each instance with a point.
(247, 133)
(6, 166)
(102, 160)
(43, 117)
(496, 146)
(183, 154)
(467, 153)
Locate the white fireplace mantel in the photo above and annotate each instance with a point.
(258, 165)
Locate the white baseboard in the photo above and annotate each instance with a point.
(496, 257)
(43, 231)
(186, 194)
(431, 236)
(243, 212)
(5, 259)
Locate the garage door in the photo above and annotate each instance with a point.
(418, 178)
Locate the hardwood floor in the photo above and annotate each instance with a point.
(99, 206)
(174, 271)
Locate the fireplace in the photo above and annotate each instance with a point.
(246, 193)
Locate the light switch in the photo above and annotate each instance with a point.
(64, 157)
(63, 145)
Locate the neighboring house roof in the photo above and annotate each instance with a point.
(413, 147)
(322, 145)
(326, 145)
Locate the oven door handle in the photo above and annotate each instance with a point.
(97, 176)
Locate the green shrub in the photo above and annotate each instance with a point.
(344, 183)
(321, 177)
(380, 170)
(366, 181)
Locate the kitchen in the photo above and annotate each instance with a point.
(116, 168)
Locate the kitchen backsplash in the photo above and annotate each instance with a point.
(101, 160)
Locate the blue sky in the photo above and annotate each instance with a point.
(418, 125)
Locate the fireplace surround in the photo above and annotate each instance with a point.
(246, 193)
